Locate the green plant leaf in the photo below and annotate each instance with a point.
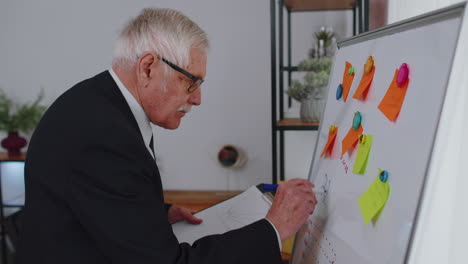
(21, 117)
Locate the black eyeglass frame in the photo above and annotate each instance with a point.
(196, 81)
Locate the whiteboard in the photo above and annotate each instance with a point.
(336, 232)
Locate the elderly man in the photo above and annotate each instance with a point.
(93, 189)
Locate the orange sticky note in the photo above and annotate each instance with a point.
(364, 85)
(330, 142)
(347, 81)
(351, 139)
(393, 99)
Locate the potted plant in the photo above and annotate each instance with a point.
(324, 43)
(16, 118)
(311, 93)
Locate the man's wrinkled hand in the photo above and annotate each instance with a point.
(178, 213)
(294, 202)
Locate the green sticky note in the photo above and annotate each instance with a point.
(374, 198)
(365, 145)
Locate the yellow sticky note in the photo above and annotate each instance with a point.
(374, 198)
(365, 144)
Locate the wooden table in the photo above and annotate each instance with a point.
(4, 157)
(197, 200)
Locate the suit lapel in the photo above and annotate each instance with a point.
(112, 92)
(115, 96)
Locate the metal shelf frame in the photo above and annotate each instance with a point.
(360, 10)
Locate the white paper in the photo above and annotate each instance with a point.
(241, 210)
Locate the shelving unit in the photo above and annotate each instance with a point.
(280, 124)
(295, 124)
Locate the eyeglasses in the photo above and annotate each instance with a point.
(195, 81)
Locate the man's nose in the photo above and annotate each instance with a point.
(195, 97)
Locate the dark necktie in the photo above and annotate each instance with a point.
(152, 146)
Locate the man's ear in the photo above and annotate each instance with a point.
(146, 63)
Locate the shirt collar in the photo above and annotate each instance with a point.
(138, 112)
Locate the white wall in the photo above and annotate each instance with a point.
(54, 44)
(403, 9)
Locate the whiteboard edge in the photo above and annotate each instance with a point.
(419, 250)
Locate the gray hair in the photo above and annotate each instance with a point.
(167, 32)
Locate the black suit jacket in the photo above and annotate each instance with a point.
(94, 193)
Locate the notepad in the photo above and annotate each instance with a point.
(241, 210)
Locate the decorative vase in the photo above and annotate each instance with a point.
(13, 143)
(318, 105)
(232, 157)
(305, 111)
(311, 109)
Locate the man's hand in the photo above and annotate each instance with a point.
(294, 202)
(178, 213)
